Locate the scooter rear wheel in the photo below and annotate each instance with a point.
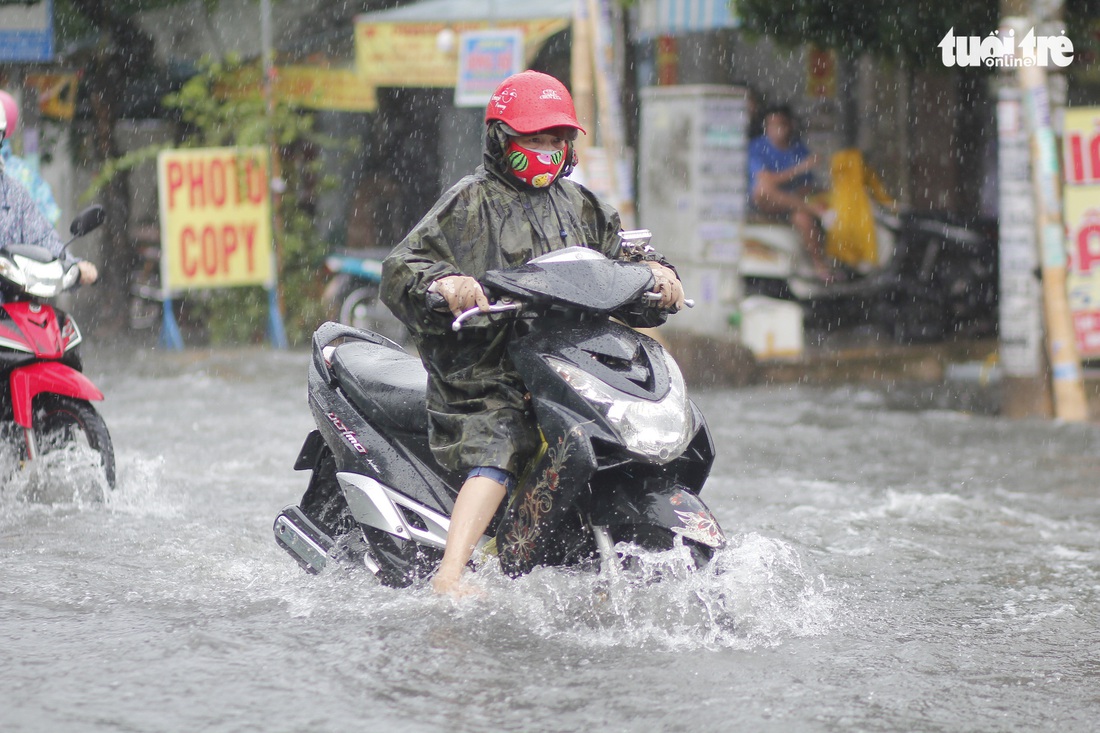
(60, 421)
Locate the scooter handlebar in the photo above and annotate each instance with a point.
(688, 302)
(501, 307)
(506, 306)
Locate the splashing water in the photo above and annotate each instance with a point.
(864, 586)
(755, 592)
(71, 474)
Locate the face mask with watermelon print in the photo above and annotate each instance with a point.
(536, 168)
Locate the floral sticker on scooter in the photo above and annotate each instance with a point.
(701, 527)
(521, 541)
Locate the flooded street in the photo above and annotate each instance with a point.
(888, 570)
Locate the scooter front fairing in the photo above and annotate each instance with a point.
(593, 458)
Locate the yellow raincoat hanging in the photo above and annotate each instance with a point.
(851, 238)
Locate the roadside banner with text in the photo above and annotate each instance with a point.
(1082, 211)
(215, 218)
(411, 55)
(1081, 203)
(26, 31)
(485, 59)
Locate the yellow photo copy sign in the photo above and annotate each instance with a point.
(215, 218)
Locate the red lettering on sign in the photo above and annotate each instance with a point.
(250, 246)
(236, 181)
(1094, 159)
(175, 181)
(1076, 167)
(187, 239)
(1083, 157)
(194, 172)
(254, 172)
(212, 251)
(1088, 256)
(229, 245)
(217, 183)
(209, 250)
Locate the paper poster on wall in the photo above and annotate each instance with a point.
(1020, 307)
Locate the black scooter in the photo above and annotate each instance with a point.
(625, 451)
(938, 278)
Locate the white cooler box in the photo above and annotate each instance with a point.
(772, 328)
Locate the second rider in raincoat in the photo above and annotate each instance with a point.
(516, 206)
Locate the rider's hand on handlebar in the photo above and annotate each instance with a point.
(461, 293)
(88, 272)
(668, 285)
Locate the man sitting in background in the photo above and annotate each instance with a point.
(781, 183)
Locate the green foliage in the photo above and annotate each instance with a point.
(73, 18)
(886, 29)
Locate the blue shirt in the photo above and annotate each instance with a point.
(764, 156)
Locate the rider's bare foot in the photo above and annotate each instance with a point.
(455, 587)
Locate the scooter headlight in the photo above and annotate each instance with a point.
(40, 279)
(658, 431)
(48, 279)
(12, 272)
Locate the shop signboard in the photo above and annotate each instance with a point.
(1081, 209)
(26, 32)
(215, 218)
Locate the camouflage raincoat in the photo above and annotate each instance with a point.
(478, 411)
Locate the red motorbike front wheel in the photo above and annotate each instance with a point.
(62, 421)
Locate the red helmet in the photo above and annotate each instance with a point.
(531, 101)
(11, 113)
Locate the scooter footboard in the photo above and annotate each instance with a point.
(659, 503)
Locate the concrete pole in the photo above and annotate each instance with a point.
(276, 328)
(1067, 381)
(609, 106)
(1025, 386)
(581, 73)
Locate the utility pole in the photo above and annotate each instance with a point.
(1067, 381)
(1037, 382)
(276, 328)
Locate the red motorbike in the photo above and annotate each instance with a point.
(45, 399)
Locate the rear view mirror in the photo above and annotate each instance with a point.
(88, 220)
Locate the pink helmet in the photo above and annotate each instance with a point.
(531, 101)
(11, 112)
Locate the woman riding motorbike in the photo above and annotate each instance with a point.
(515, 206)
(21, 222)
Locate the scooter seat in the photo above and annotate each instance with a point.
(388, 385)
